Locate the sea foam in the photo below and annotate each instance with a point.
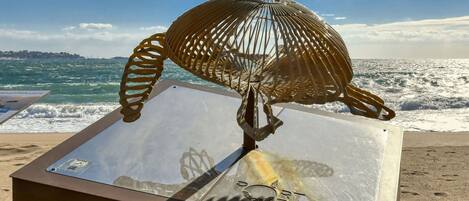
(427, 95)
(56, 118)
(73, 118)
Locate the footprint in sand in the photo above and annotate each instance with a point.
(417, 173)
(9, 149)
(410, 192)
(450, 175)
(440, 194)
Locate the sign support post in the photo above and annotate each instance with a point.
(249, 143)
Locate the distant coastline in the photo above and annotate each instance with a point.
(26, 54)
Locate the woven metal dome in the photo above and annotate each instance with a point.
(277, 51)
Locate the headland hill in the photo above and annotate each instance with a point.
(26, 54)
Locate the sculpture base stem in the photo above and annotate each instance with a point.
(249, 143)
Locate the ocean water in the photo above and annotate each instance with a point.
(428, 95)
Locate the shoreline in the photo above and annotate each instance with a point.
(437, 139)
(434, 165)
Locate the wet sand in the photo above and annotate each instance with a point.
(435, 166)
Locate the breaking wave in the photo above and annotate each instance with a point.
(428, 95)
(57, 118)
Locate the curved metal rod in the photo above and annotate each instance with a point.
(366, 104)
(253, 131)
(142, 71)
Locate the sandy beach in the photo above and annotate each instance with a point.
(16, 150)
(435, 166)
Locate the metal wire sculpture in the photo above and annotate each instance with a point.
(276, 50)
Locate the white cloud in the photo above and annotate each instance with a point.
(154, 28)
(33, 35)
(328, 15)
(431, 30)
(340, 18)
(99, 43)
(95, 26)
(70, 28)
(431, 38)
(12, 33)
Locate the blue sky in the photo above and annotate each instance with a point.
(98, 28)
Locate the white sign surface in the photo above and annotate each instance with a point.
(12, 102)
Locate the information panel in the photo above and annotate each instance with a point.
(187, 146)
